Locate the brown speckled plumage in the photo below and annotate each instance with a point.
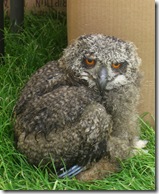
(82, 115)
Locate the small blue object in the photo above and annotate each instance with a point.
(71, 172)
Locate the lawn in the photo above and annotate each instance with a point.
(43, 39)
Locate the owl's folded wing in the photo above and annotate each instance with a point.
(46, 79)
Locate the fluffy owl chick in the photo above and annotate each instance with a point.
(80, 111)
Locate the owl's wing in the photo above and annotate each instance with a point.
(46, 79)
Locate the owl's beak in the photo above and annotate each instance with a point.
(102, 79)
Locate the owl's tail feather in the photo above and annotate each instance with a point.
(73, 171)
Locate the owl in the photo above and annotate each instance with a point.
(79, 113)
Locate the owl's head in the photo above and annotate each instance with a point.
(104, 62)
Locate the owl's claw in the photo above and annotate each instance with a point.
(71, 172)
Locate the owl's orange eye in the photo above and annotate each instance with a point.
(116, 65)
(89, 62)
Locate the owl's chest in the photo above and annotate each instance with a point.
(111, 100)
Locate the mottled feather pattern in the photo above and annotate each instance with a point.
(81, 110)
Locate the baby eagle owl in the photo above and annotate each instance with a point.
(80, 111)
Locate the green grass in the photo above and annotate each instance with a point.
(43, 39)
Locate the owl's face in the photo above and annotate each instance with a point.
(104, 62)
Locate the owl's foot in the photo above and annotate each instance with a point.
(98, 170)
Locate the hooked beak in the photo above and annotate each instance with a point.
(102, 79)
